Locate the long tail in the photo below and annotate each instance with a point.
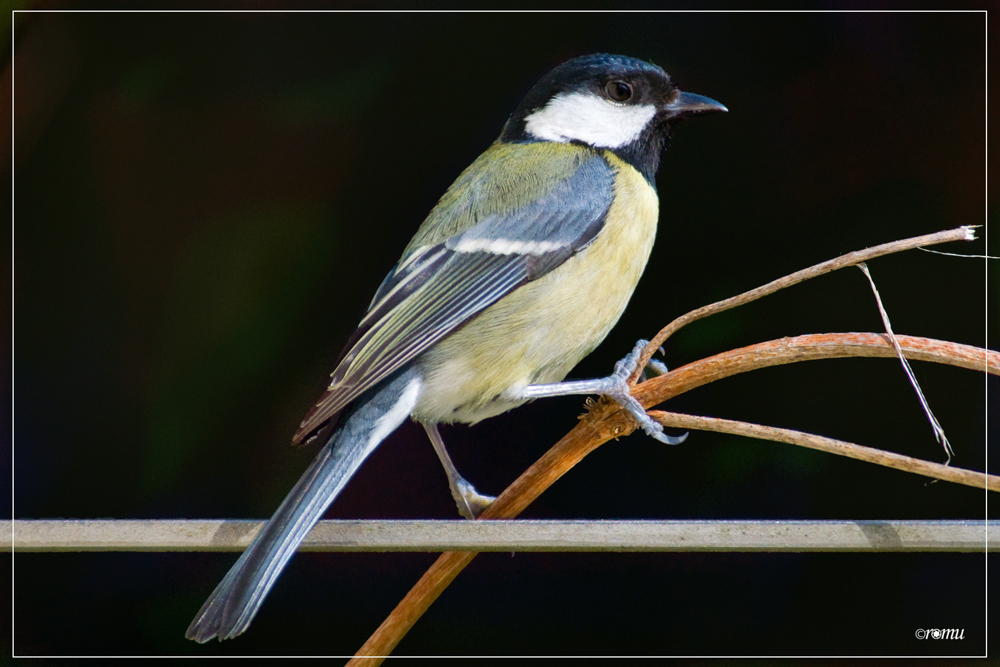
(235, 601)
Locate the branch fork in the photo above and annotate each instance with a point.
(604, 420)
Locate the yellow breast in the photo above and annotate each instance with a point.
(540, 331)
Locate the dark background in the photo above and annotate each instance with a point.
(205, 203)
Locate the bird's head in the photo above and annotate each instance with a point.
(606, 101)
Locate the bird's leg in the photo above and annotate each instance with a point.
(470, 502)
(616, 387)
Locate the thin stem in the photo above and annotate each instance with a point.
(939, 433)
(964, 233)
(940, 471)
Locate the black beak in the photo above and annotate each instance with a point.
(689, 104)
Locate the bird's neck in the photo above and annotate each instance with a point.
(644, 153)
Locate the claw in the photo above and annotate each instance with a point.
(620, 392)
(656, 368)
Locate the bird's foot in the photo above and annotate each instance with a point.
(614, 386)
(470, 502)
(617, 388)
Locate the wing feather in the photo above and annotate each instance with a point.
(436, 289)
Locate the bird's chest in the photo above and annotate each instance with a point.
(590, 291)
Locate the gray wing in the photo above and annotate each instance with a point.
(436, 289)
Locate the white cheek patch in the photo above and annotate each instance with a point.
(590, 119)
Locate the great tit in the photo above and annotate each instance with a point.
(519, 271)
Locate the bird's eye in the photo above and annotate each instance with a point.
(619, 91)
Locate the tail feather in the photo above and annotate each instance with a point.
(235, 601)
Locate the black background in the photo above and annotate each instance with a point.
(205, 203)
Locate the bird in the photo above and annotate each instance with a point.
(519, 271)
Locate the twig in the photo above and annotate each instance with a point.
(883, 458)
(959, 254)
(939, 434)
(809, 347)
(423, 594)
(605, 422)
(964, 233)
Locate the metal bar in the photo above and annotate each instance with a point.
(434, 536)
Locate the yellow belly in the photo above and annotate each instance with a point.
(540, 331)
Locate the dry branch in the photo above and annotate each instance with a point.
(606, 421)
(870, 454)
(964, 233)
(810, 347)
